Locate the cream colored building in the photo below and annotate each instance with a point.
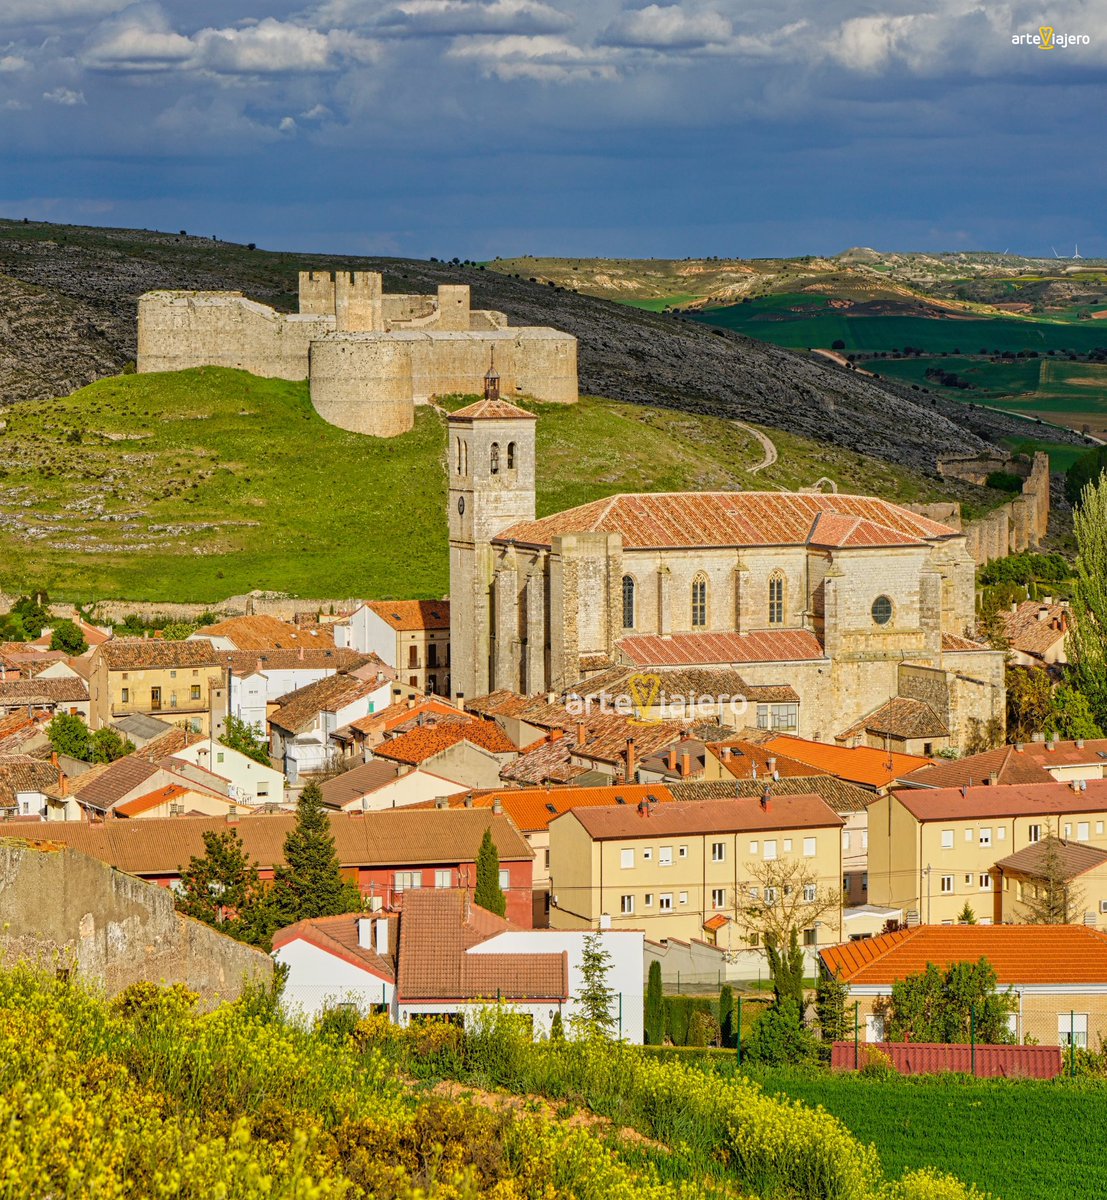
(931, 851)
(683, 870)
(410, 636)
(169, 680)
(852, 602)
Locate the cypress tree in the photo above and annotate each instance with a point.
(310, 884)
(727, 1016)
(488, 893)
(655, 1006)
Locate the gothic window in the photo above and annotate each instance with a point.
(699, 602)
(776, 598)
(494, 459)
(459, 457)
(882, 610)
(511, 456)
(628, 602)
(463, 456)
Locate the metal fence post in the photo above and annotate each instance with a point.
(972, 1037)
(1072, 1042)
(620, 1016)
(678, 983)
(857, 1035)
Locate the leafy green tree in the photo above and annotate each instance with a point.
(1072, 715)
(108, 745)
(26, 618)
(1087, 469)
(780, 1037)
(69, 735)
(727, 1015)
(785, 956)
(830, 1008)
(557, 1028)
(488, 893)
(222, 888)
(596, 997)
(1087, 640)
(310, 883)
(246, 739)
(178, 631)
(67, 637)
(655, 1006)
(1029, 702)
(1053, 898)
(950, 1005)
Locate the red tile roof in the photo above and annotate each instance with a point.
(1008, 764)
(649, 520)
(492, 410)
(707, 649)
(1020, 954)
(707, 816)
(136, 654)
(1002, 800)
(747, 760)
(901, 717)
(1035, 628)
(1070, 858)
(297, 710)
(339, 936)
(407, 615)
(859, 764)
(953, 643)
(141, 804)
(423, 743)
(532, 809)
(269, 633)
(846, 530)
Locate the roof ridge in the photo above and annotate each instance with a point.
(894, 940)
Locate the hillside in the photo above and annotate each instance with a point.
(209, 483)
(625, 353)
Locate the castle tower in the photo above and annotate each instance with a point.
(491, 466)
(358, 302)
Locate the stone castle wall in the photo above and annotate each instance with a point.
(369, 357)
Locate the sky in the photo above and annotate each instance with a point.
(478, 128)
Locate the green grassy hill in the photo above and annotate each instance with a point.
(208, 483)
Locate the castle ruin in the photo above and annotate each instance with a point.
(369, 356)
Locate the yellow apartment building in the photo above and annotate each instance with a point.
(931, 851)
(684, 870)
(168, 680)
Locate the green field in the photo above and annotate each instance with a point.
(663, 302)
(209, 483)
(1021, 1140)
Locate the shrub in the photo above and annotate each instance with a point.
(876, 1063)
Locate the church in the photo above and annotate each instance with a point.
(852, 616)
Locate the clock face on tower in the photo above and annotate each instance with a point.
(461, 506)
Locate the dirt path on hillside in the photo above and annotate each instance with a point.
(770, 454)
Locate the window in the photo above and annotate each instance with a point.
(864, 839)
(172, 674)
(787, 845)
(753, 847)
(776, 598)
(845, 839)
(682, 852)
(969, 835)
(810, 937)
(457, 453)
(494, 459)
(1072, 1029)
(665, 856)
(1001, 833)
(809, 893)
(970, 879)
(647, 854)
(126, 695)
(511, 456)
(699, 602)
(1034, 833)
(194, 692)
(443, 879)
(754, 893)
(402, 880)
(947, 839)
(1068, 831)
(647, 900)
(626, 905)
(665, 902)
(682, 898)
(263, 789)
(770, 849)
(985, 883)
(626, 859)
(505, 879)
(412, 656)
(718, 851)
(1083, 831)
(219, 756)
(628, 602)
(778, 716)
(947, 884)
(172, 699)
(882, 610)
(770, 895)
(865, 881)
(155, 697)
(1098, 828)
(718, 898)
(985, 837)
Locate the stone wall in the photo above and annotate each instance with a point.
(286, 608)
(62, 909)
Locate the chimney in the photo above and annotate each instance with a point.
(301, 654)
(632, 764)
(54, 760)
(671, 759)
(365, 932)
(643, 808)
(1050, 743)
(257, 666)
(441, 802)
(766, 796)
(468, 800)
(1080, 743)
(1043, 612)
(459, 700)
(555, 735)
(497, 805)
(63, 783)
(1018, 747)
(724, 754)
(550, 697)
(1076, 785)
(685, 764)
(232, 817)
(380, 940)
(581, 734)
(1014, 606)
(993, 778)
(396, 693)
(771, 764)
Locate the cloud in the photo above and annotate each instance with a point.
(15, 106)
(667, 27)
(451, 18)
(287, 125)
(10, 63)
(51, 12)
(65, 97)
(317, 112)
(141, 39)
(545, 58)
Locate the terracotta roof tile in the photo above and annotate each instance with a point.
(547, 762)
(954, 643)
(901, 717)
(858, 764)
(748, 760)
(298, 709)
(352, 785)
(841, 796)
(1003, 800)
(1006, 762)
(339, 936)
(1073, 858)
(1020, 954)
(42, 691)
(141, 804)
(24, 774)
(425, 742)
(269, 633)
(306, 658)
(106, 784)
(407, 615)
(492, 410)
(1035, 628)
(532, 809)
(706, 649)
(136, 654)
(722, 519)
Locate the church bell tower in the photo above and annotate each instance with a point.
(491, 465)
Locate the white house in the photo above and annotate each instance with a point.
(250, 782)
(442, 955)
(379, 784)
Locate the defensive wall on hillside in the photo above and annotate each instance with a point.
(64, 911)
(369, 356)
(1016, 526)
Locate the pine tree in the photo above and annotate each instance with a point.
(310, 883)
(966, 916)
(1087, 642)
(594, 1001)
(830, 1008)
(785, 959)
(1052, 898)
(489, 894)
(655, 1006)
(222, 888)
(726, 1015)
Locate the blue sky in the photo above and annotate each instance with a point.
(583, 127)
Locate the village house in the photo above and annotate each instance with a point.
(34, 787)
(261, 632)
(379, 784)
(388, 854)
(249, 782)
(932, 851)
(358, 738)
(465, 749)
(148, 676)
(182, 798)
(442, 955)
(1042, 761)
(687, 870)
(1067, 876)
(1057, 973)
(41, 694)
(1037, 633)
(411, 636)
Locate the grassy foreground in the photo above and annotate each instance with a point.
(207, 483)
